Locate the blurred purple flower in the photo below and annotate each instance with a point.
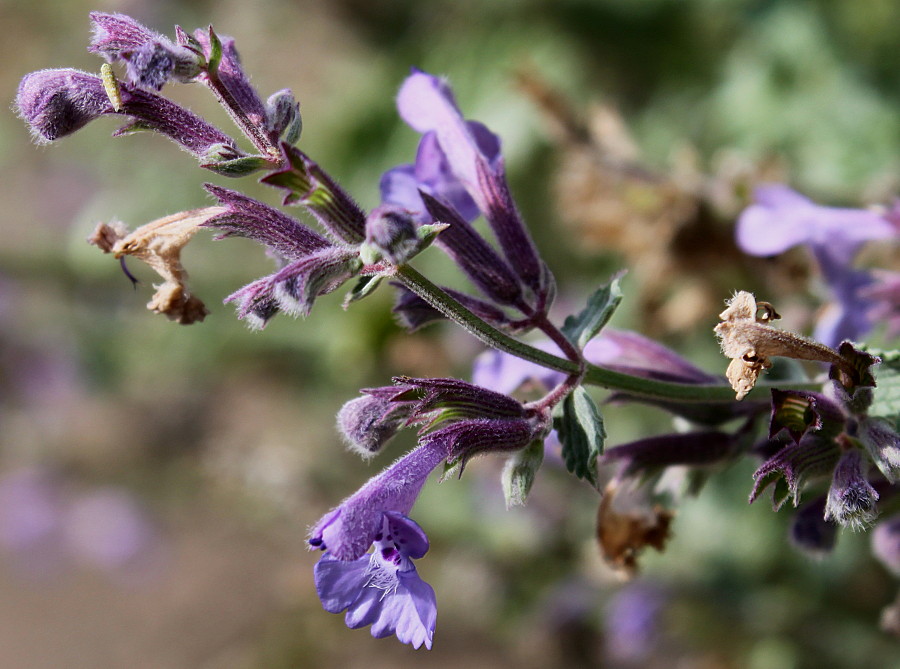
(619, 350)
(106, 528)
(43, 525)
(31, 512)
(886, 543)
(383, 589)
(781, 218)
(633, 622)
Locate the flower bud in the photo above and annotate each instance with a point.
(391, 234)
(152, 59)
(56, 103)
(851, 498)
(283, 118)
(367, 423)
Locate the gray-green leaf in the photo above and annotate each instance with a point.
(519, 473)
(582, 327)
(581, 432)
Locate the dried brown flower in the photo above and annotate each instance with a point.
(750, 341)
(627, 523)
(159, 244)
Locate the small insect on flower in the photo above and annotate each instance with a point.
(111, 86)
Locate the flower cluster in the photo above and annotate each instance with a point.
(525, 396)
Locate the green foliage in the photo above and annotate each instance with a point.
(582, 327)
(582, 434)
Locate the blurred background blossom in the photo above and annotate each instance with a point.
(157, 481)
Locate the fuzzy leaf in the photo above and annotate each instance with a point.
(582, 327)
(581, 432)
(519, 473)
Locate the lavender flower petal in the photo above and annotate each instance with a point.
(781, 218)
(348, 530)
(383, 589)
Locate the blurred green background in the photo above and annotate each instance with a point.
(211, 448)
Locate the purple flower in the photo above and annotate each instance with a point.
(456, 158)
(305, 183)
(152, 59)
(431, 174)
(294, 288)
(851, 498)
(233, 82)
(781, 218)
(246, 217)
(633, 622)
(347, 531)
(383, 589)
(367, 423)
(886, 543)
(619, 350)
(44, 526)
(56, 103)
(792, 466)
(884, 294)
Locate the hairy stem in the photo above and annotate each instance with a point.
(593, 374)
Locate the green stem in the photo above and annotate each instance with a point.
(594, 375)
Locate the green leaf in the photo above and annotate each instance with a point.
(582, 327)
(519, 472)
(886, 403)
(581, 432)
(364, 287)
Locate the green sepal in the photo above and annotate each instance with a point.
(428, 233)
(292, 133)
(452, 469)
(794, 412)
(519, 473)
(237, 167)
(364, 287)
(578, 423)
(132, 128)
(215, 52)
(582, 327)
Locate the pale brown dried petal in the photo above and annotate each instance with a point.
(626, 526)
(159, 244)
(747, 338)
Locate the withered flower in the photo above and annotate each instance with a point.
(750, 341)
(159, 244)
